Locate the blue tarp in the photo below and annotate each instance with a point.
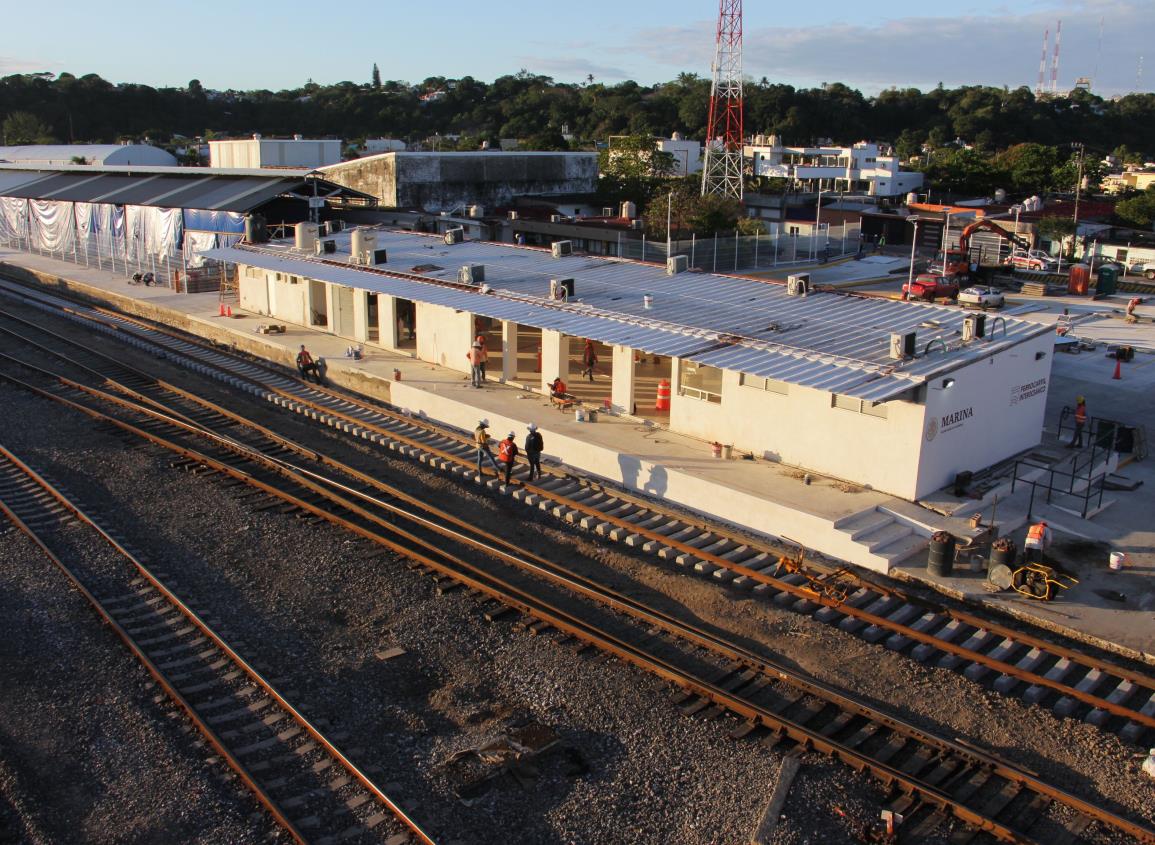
(200, 220)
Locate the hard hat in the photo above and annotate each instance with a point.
(476, 345)
(532, 426)
(483, 423)
(511, 435)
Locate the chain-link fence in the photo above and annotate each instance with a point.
(166, 270)
(750, 253)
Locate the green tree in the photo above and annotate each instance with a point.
(21, 127)
(376, 78)
(1139, 211)
(633, 168)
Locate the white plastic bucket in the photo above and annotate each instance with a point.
(1117, 560)
(580, 414)
(647, 301)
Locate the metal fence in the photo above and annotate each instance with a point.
(747, 253)
(166, 269)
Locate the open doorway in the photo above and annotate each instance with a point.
(528, 355)
(318, 304)
(649, 372)
(373, 332)
(406, 324)
(591, 388)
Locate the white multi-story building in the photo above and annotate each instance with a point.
(863, 167)
(687, 155)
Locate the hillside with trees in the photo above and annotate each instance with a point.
(538, 110)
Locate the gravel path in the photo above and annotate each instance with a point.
(316, 607)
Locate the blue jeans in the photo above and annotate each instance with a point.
(477, 373)
(482, 450)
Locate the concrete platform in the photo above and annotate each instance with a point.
(838, 520)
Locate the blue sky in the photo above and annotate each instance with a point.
(871, 47)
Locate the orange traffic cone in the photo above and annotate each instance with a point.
(1118, 368)
(222, 310)
(229, 311)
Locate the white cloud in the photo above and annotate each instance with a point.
(923, 51)
(567, 69)
(10, 65)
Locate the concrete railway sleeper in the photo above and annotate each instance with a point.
(1103, 693)
(928, 770)
(279, 755)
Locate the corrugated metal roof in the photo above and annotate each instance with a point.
(828, 340)
(198, 188)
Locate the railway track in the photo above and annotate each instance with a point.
(1071, 682)
(935, 779)
(312, 790)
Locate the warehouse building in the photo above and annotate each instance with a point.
(258, 152)
(106, 155)
(897, 397)
(455, 181)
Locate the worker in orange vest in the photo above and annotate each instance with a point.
(1080, 421)
(1038, 539)
(557, 391)
(507, 454)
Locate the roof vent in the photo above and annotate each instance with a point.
(561, 248)
(676, 264)
(798, 284)
(471, 274)
(454, 236)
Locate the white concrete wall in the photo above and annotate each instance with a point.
(274, 152)
(280, 300)
(800, 428)
(993, 410)
(693, 491)
(444, 336)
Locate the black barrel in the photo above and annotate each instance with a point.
(1003, 551)
(940, 562)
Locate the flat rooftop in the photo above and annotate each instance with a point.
(832, 341)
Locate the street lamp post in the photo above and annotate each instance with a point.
(817, 226)
(913, 246)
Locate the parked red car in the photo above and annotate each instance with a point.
(931, 286)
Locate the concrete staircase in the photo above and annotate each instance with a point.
(883, 535)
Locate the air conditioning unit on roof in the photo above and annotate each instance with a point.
(561, 248)
(798, 284)
(676, 264)
(471, 274)
(454, 236)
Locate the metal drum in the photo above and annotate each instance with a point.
(940, 561)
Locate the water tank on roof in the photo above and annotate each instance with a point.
(629, 210)
(677, 136)
(364, 242)
(305, 238)
(911, 198)
(476, 211)
(1000, 195)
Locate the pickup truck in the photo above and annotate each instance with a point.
(1147, 268)
(931, 286)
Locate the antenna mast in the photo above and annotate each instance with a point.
(1043, 62)
(722, 170)
(1055, 60)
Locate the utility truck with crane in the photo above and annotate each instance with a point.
(957, 262)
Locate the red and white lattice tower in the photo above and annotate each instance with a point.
(722, 170)
(1043, 63)
(1055, 60)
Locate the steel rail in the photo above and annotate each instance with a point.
(972, 656)
(707, 690)
(218, 641)
(209, 734)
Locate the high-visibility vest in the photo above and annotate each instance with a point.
(1036, 533)
(505, 451)
(1081, 414)
(480, 436)
(559, 386)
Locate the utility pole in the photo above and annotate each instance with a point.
(1078, 190)
(722, 169)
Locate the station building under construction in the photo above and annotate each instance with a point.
(893, 396)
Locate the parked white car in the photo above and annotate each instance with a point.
(1034, 259)
(1147, 268)
(982, 297)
